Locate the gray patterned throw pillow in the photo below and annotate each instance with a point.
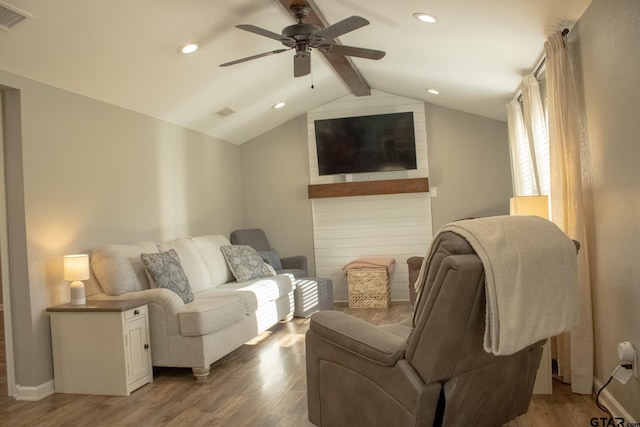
(165, 271)
(244, 262)
(272, 258)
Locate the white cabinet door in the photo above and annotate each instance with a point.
(137, 344)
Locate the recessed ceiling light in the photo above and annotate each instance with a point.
(426, 17)
(279, 105)
(433, 91)
(189, 48)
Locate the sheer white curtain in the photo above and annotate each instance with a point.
(536, 123)
(522, 171)
(575, 349)
(528, 141)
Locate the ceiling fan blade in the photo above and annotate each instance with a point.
(360, 52)
(249, 58)
(261, 32)
(342, 27)
(301, 64)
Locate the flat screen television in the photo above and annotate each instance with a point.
(376, 143)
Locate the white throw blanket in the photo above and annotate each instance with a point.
(531, 279)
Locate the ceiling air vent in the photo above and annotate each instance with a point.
(11, 15)
(225, 112)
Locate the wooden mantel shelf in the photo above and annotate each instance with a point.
(368, 188)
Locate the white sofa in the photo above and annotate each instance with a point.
(223, 315)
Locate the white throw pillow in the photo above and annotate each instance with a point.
(209, 249)
(191, 262)
(119, 269)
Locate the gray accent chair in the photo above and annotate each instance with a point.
(430, 370)
(257, 239)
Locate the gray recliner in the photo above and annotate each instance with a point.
(257, 239)
(430, 370)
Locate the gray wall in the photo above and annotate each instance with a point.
(468, 162)
(96, 174)
(275, 175)
(606, 53)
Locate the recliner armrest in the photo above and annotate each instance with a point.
(298, 262)
(358, 336)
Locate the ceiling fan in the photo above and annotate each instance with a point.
(304, 37)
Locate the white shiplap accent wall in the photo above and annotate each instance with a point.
(346, 228)
(397, 225)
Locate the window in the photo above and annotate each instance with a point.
(529, 139)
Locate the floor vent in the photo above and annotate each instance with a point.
(10, 16)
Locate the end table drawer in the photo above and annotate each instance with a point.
(135, 312)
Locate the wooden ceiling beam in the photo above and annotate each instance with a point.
(343, 65)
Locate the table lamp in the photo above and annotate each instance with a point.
(530, 205)
(76, 269)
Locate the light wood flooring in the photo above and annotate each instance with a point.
(260, 384)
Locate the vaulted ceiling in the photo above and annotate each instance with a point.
(125, 52)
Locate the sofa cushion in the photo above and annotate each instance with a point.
(272, 258)
(245, 263)
(207, 315)
(209, 249)
(249, 299)
(192, 264)
(165, 271)
(119, 269)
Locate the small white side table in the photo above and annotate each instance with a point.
(102, 347)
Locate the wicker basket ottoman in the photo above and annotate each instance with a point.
(368, 287)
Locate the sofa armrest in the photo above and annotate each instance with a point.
(168, 300)
(298, 262)
(358, 336)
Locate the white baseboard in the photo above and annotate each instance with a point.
(612, 404)
(33, 393)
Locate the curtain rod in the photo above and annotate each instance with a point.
(540, 65)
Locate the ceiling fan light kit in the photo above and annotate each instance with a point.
(303, 37)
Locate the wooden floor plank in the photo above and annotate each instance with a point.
(261, 384)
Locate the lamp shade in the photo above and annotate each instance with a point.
(530, 205)
(76, 267)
